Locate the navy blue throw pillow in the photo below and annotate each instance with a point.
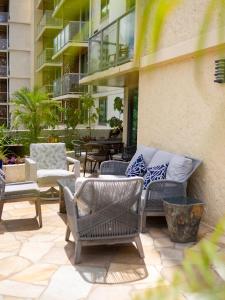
(155, 173)
(138, 168)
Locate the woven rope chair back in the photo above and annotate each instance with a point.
(113, 207)
(2, 183)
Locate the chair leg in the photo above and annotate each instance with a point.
(1, 209)
(85, 163)
(38, 211)
(139, 246)
(77, 252)
(68, 231)
(143, 223)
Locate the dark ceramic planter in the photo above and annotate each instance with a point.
(183, 216)
(1, 163)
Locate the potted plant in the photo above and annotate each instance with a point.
(116, 123)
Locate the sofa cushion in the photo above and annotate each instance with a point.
(155, 173)
(138, 168)
(179, 168)
(160, 158)
(147, 153)
(50, 177)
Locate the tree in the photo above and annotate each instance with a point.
(89, 113)
(34, 111)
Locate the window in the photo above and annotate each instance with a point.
(130, 4)
(102, 119)
(104, 9)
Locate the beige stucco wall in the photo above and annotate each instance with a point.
(179, 114)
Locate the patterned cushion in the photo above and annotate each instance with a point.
(155, 173)
(138, 168)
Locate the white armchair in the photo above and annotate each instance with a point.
(48, 163)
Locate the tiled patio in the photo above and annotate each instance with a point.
(38, 263)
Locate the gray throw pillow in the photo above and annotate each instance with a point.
(179, 168)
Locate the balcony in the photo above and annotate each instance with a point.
(69, 84)
(3, 44)
(47, 89)
(48, 25)
(113, 45)
(45, 60)
(75, 34)
(3, 71)
(4, 17)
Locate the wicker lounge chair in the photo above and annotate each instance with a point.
(104, 212)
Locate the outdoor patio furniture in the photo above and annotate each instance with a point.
(19, 192)
(156, 191)
(104, 211)
(48, 163)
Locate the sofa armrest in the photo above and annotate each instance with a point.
(165, 188)
(76, 166)
(30, 169)
(113, 167)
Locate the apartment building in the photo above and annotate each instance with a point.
(61, 54)
(16, 51)
(170, 102)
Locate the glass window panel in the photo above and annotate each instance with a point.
(102, 119)
(95, 53)
(109, 41)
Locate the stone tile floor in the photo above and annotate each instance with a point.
(38, 263)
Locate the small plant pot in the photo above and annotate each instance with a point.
(183, 216)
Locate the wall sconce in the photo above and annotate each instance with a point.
(219, 71)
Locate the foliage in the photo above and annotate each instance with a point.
(2, 153)
(72, 116)
(89, 113)
(116, 123)
(118, 104)
(197, 278)
(34, 111)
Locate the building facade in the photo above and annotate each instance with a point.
(61, 54)
(16, 52)
(171, 102)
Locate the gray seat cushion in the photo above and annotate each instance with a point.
(50, 176)
(23, 188)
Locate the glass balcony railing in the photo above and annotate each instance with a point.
(4, 16)
(3, 71)
(48, 21)
(3, 44)
(69, 84)
(113, 45)
(73, 32)
(46, 58)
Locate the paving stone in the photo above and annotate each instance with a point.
(19, 289)
(43, 237)
(35, 250)
(171, 254)
(152, 256)
(163, 242)
(122, 292)
(66, 283)
(57, 255)
(168, 272)
(36, 274)
(146, 240)
(124, 273)
(11, 265)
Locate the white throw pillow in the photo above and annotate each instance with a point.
(147, 153)
(179, 168)
(160, 158)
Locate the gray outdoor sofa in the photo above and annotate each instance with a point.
(180, 168)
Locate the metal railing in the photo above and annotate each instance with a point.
(3, 71)
(75, 31)
(3, 44)
(69, 84)
(46, 58)
(4, 16)
(48, 21)
(113, 45)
